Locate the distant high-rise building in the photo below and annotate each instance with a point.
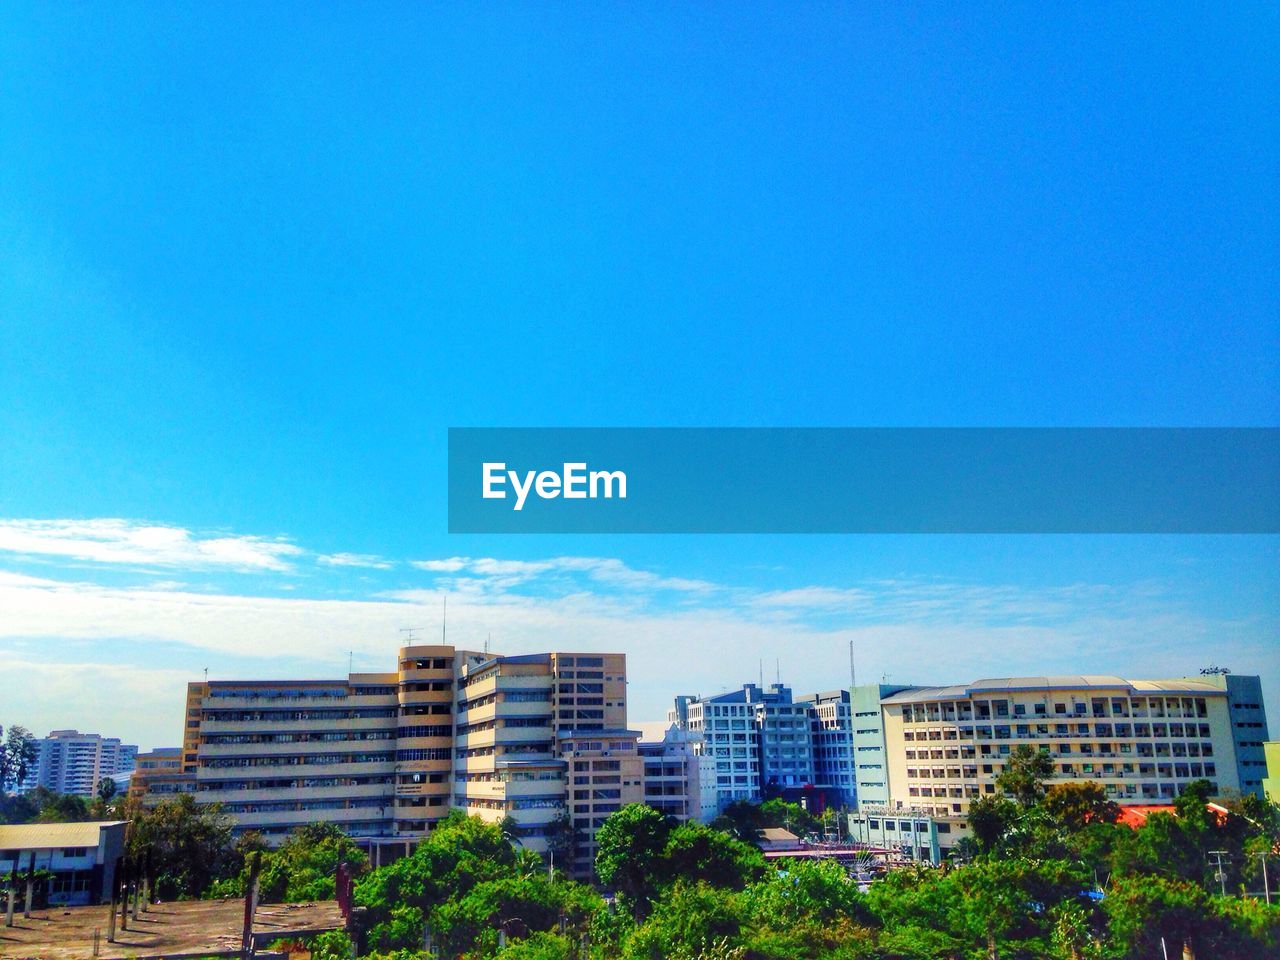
(760, 739)
(68, 761)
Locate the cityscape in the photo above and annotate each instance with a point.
(636, 481)
(540, 737)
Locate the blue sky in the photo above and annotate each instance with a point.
(254, 262)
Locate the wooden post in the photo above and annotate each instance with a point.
(250, 904)
(124, 894)
(13, 889)
(31, 886)
(115, 892)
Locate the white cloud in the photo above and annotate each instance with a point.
(699, 649)
(449, 565)
(604, 570)
(117, 541)
(88, 697)
(365, 560)
(680, 634)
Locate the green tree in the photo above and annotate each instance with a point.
(1143, 911)
(1024, 774)
(459, 853)
(696, 852)
(187, 844)
(533, 903)
(629, 845)
(563, 840)
(990, 819)
(689, 922)
(1077, 803)
(17, 755)
(743, 819)
(53, 807)
(305, 866)
(790, 816)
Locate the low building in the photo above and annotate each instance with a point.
(68, 761)
(80, 858)
(898, 833)
(777, 840)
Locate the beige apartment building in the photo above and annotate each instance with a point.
(540, 739)
(943, 747)
(1142, 740)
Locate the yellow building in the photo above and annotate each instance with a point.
(936, 749)
(536, 739)
(1271, 783)
(1142, 740)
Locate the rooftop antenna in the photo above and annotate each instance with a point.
(853, 673)
(351, 662)
(206, 674)
(408, 634)
(487, 640)
(762, 673)
(777, 666)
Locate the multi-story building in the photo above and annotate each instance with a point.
(543, 739)
(870, 763)
(538, 738)
(831, 723)
(1141, 740)
(1248, 724)
(678, 779)
(160, 766)
(760, 739)
(68, 761)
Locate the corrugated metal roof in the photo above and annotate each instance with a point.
(1014, 684)
(49, 836)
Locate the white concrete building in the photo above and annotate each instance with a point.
(68, 761)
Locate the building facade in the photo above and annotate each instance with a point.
(678, 780)
(1271, 783)
(1248, 725)
(154, 768)
(539, 739)
(76, 860)
(1143, 741)
(759, 738)
(870, 762)
(831, 725)
(68, 761)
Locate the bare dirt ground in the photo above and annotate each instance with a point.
(211, 926)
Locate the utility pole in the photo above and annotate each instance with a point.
(1266, 886)
(1221, 874)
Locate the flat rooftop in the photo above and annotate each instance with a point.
(200, 927)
